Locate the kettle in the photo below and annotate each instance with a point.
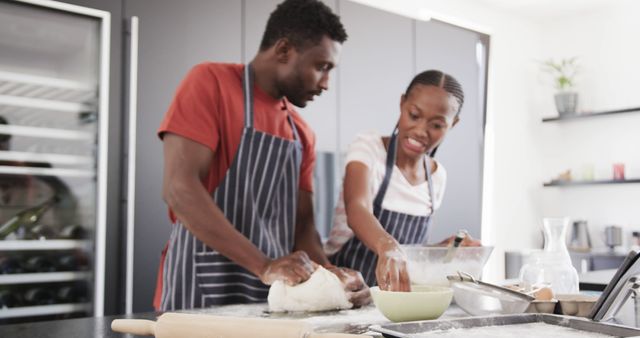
(580, 240)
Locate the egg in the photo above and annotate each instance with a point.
(544, 293)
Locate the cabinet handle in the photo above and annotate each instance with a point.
(131, 165)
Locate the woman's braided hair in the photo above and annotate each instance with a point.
(439, 79)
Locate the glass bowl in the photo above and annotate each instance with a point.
(426, 264)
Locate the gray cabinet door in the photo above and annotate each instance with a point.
(321, 114)
(454, 50)
(174, 36)
(376, 67)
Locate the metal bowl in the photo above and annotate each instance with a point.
(426, 264)
(480, 298)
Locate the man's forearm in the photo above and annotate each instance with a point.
(308, 240)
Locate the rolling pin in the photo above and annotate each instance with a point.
(182, 325)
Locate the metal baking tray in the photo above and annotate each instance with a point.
(422, 328)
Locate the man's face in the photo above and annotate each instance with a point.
(306, 72)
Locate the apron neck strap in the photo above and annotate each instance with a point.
(247, 89)
(391, 160)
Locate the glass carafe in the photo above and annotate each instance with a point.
(552, 266)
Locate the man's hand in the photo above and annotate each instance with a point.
(354, 285)
(293, 269)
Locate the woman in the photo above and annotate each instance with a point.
(392, 185)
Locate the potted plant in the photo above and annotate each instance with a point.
(564, 73)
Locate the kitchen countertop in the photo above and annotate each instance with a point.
(351, 321)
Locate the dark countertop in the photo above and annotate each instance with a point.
(348, 321)
(98, 327)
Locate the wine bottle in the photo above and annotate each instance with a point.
(9, 299)
(26, 218)
(71, 262)
(39, 296)
(39, 231)
(39, 264)
(9, 265)
(76, 293)
(73, 231)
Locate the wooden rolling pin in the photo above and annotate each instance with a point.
(182, 325)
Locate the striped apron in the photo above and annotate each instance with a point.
(405, 228)
(258, 195)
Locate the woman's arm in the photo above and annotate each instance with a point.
(391, 272)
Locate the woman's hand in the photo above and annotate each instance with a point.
(293, 269)
(391, 270)
(467, 241)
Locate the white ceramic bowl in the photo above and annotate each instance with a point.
(422, 303)
(426, 265)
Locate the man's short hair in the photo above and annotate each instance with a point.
(303, 22)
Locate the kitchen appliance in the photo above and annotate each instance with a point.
(580, 240)
(612, 237)
(54, 95)
(178, 325)
(505, 323)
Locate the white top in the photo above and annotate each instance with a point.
(401, 196)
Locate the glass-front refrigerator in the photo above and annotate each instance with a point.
(54, 66)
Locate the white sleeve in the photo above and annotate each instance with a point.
(363, 149)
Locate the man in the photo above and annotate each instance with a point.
(238, 168)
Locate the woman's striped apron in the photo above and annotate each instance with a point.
(405, 228)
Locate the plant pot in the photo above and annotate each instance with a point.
(566, 103)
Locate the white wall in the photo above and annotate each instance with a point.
(605, 40)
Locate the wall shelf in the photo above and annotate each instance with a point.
(592, 114)
(30, 278)
(583, 183)
(53, 244)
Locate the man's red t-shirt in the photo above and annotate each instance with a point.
(209, 108)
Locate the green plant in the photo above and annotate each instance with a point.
(563, 72)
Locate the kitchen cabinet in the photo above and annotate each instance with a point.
(376, 66)
(462, 54)
(174, 36)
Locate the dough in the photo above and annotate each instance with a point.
(321, 292)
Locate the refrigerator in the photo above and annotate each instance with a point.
(54, 130)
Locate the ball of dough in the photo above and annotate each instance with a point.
(323, 291)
